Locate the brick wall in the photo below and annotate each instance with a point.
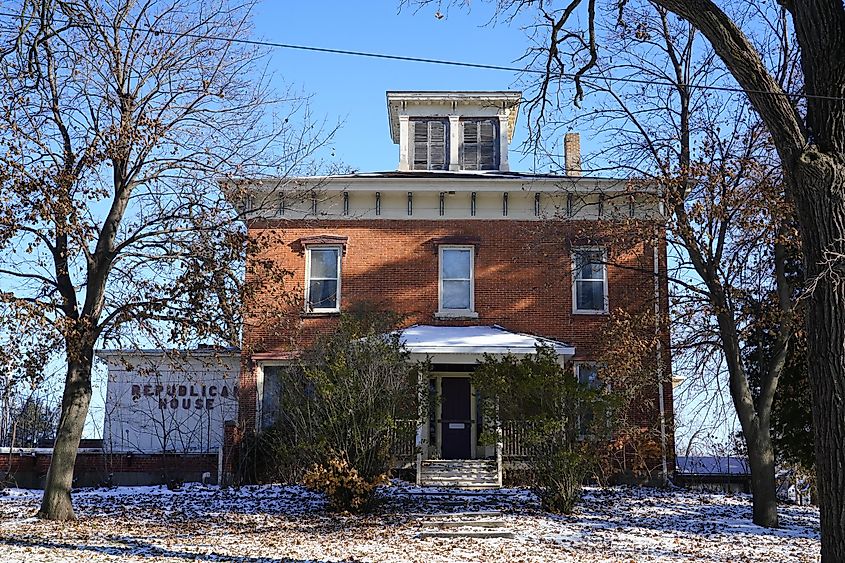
(29, 468)
(522, 280)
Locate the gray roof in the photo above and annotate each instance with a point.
(712, 465)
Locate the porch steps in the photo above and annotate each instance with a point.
(460, 473)
(464, 525)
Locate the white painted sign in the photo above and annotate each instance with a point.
(169, 402)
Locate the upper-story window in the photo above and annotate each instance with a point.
(479, 144)
(430, 146)
(322, 278)
(457, 280)
(589, 280)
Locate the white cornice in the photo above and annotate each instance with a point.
(443, 182)
(507, 101)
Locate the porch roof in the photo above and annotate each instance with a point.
(466, 344)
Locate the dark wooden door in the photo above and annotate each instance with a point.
(456, 420)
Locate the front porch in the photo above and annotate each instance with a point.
(454, 443)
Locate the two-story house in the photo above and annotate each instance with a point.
(482, 260)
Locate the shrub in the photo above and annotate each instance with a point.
(341, 399)
(561, 424)
(346, 490)
(271, 457)
(557, 479)
(633, 453)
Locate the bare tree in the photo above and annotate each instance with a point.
(808, 133)
(26, 356)
(119, 120)
(728, 221)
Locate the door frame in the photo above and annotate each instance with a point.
(438, 412)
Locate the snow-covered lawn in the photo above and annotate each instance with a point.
(274, 524)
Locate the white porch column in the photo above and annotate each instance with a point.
(499, 447)
(422, 439)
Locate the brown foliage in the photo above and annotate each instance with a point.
(346, 490)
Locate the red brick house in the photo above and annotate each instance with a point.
(480, 259)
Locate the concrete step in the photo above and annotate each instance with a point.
(460, 462)
(457, 478)
(466, 534)
(480, 524)
(443, 515)
(491, 467)
(463, 486)
(459, 469)
(482, 476)
(466, 523)
(460, 473)
(457, 481)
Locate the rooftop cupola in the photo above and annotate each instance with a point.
(453, 130)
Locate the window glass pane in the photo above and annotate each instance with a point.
(455, 294)
(589, 265)
(587, 375)
(324, 263)
(456, 264)
(271, 397)
(322, 294)
(590, 295)
(585, 420)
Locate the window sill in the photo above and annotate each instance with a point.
(590, 312)
(455, 315)
(318, 314)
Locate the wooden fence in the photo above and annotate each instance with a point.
(521, 438)
(403, 439)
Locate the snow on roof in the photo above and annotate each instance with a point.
(712, 465)
(202, 351)
(479, 339)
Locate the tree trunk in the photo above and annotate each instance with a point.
(761, 458)
(753, 418)
(56, 503)
(818, 180)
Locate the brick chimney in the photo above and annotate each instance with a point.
(572, 153)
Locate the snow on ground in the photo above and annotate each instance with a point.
(289, 524)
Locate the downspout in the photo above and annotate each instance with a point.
(661, 400)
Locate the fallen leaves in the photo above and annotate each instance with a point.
(290, 524)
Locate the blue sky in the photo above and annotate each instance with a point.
(352, 89)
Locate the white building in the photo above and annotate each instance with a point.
(169, 401)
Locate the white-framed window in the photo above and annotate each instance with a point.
(589, 280)
(322, 278)
(457, 280)
(479, 144)
(430, 149)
